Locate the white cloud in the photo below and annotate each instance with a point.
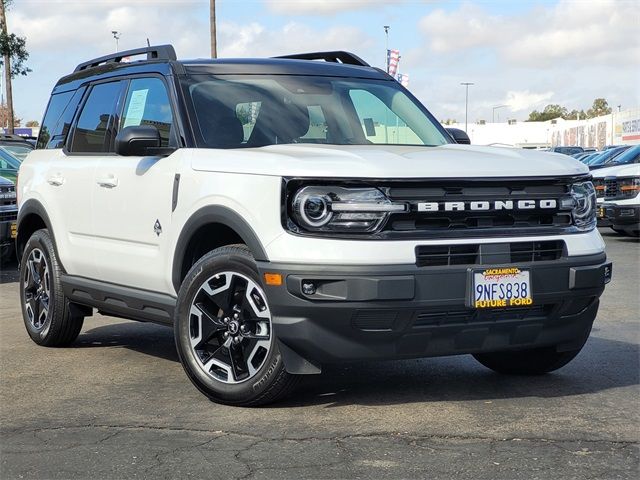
(325, 7)
(525, 100)
(570, 31)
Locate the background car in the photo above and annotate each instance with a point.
(568, 150)
(9, 165)
(17, 145)
(600, 161)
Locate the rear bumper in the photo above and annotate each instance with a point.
(404, 311)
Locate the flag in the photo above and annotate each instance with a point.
(393, 57)
(403, 78)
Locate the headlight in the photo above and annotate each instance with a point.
(584, 208)
(629, 187)
(341, 209)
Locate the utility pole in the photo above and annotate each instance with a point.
(212, 20)
(7, 72)
(466, 103)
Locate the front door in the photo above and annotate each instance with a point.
(133, 196)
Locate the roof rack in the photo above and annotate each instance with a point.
(159, 52)
(335, 57)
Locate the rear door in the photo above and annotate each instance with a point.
(133, 195)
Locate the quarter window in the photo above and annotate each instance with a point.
(90, 134)
(148, 104)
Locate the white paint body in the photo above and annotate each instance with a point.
(103, 213)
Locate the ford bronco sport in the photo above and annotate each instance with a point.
(283, 214)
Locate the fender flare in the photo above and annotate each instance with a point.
(33, 207)
(214, 214)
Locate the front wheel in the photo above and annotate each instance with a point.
(223, 331)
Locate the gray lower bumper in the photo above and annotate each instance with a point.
(406, 311)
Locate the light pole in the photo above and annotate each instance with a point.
(386, 52)
(116, 36)
(466, 103)
(493, 112)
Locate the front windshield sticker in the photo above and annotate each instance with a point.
(136, 108)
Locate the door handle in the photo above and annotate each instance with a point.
(55, 180)
(108, 182)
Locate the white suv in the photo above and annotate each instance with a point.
(282, 214)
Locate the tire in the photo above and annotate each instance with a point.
(49, 318)
(223, 331)
(619, 231)
(536, 361)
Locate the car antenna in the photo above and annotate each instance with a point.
(148, 44)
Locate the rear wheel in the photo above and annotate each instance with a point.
(223, 331)
(50, 319)
(535, 361)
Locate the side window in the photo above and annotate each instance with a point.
(148, 104)
(57, 105)
(57, 136)
(379, 123)
(95, 118)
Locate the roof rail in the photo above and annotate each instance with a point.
(335, 57)
(158, 52)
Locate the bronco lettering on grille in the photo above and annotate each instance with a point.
(481, 205)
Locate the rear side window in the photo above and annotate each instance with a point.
(95, 120)
(148, 104)
(56, 107)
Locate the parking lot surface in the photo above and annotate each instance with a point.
(117, 404)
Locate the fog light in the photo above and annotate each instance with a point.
(308, 288)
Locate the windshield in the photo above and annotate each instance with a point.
(20, 151)
(236, 112)
(632, 155)
(8, 161)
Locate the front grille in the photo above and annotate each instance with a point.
(464, 316)
(489, 253)
(8, 216)
(611, 187)
(7, 195)
(454, 208)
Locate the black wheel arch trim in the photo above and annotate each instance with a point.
(34, 207)
(209, 215)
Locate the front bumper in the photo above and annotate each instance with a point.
(404, 311)
(6, 232)
(622, 216)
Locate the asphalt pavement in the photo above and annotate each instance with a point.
(117, 404)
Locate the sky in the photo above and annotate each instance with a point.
(520, 54)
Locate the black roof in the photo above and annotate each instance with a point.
(162, 59)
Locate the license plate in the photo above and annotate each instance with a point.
(14, 230)
(501, 287)
(600, 212)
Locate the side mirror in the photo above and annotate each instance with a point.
(137, 140)
(459, 136)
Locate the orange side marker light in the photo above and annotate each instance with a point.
(273, 279)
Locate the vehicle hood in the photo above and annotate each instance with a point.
(377, 161)
(618, 171)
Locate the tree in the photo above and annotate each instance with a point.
(549, 113)
(600, 107)
(14, 55)
(32, 123)
(4, 117)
